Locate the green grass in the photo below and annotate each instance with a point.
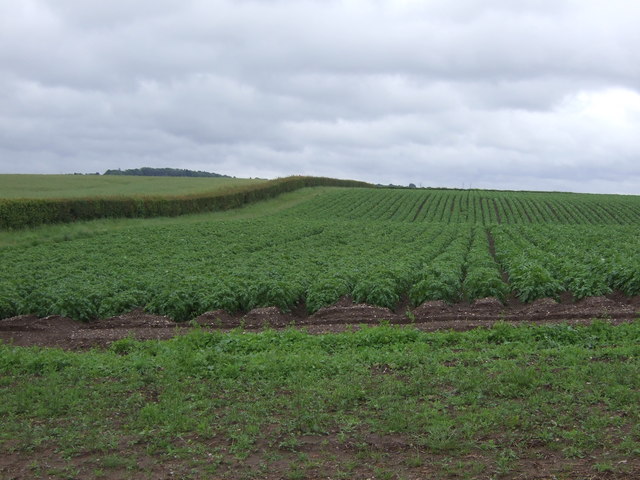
(71, 231)
(385, 402)
(73, 186)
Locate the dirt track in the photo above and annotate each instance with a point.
(66, 333)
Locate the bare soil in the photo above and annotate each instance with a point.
(56, 331)
(378, 456)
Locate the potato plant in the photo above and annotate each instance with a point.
(375, 245)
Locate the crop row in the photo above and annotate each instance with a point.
(543, 261)
(240, 265)
(230, 265)
(306, 255)
(476, 206)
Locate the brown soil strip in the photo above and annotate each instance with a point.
(56, 331)
(365, 451)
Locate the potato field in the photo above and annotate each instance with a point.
(371, 366)
(378, 246)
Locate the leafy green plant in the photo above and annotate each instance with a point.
(377, 245)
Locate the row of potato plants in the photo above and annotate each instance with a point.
(312, 253)
(441, 278)
(183, 271)
(465, 270)
(593, 260)
(483, 276)
(544, 261)
(477, 206)
(529, 278)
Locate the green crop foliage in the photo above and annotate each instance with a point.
(378, 246)
(485, 207)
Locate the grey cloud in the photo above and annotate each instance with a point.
(532, 94)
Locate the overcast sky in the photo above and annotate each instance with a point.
(541, 95)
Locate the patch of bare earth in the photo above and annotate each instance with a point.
(352, 314)
(363, 455)
(56, 331)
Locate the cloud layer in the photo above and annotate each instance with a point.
(537, 95)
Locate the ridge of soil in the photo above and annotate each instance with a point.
(62, 332)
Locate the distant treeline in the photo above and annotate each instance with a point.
(21, 213)
(163, 172)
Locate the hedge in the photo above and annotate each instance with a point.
(23, 213)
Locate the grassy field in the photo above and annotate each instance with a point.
(381, 402)
(73, 186)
